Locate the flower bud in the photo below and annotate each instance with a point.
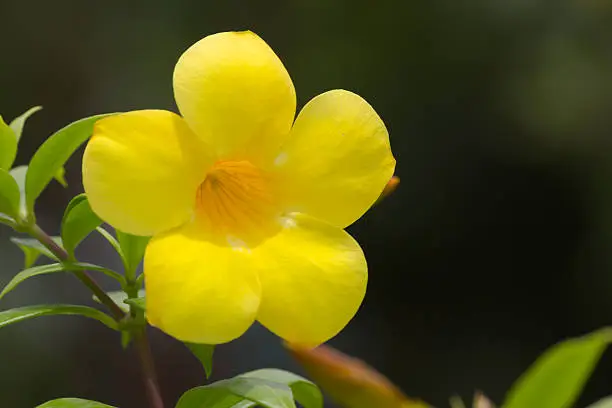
(349, 381)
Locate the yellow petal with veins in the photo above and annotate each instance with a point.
(141, 171)
(337, 159)
(236, 94)
(313, 278)
(199, 290)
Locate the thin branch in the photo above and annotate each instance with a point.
(83, 276)
(148, 369)
(140, 339)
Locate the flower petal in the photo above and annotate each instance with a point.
(199, 291)
(337, 159)
(236, 94)
(313, 278)
(141, 171)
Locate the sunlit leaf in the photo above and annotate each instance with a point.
(349, 381)
(29, 273)
(19, 174)
(78, 222)
(28, 312)
(133, 249)
(604, 403)
(18, 123)
(30, 256)
(305, 392)
(9, 195)
(214, 398)
(5, 219)
(73, 403)
(228, 393)
(84, 266)
(138, 303)
(119, 297)
(53, 154)
(204, 353)
(8, 146)
(557, 377)
(111, 240)
(60, 176)
(32, 247)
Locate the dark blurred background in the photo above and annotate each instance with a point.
(496, 245)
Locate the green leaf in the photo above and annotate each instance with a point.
(228, 393)
(111, 240)
(78, 222)
(126, 338)
(8, 146)
(305, 392)
(604, 403)
(5, 219)
(54, 153)
(557, 377)
(74, 202)
(204, 353)
(139, 303)
(9, 195)
(132, 249)
(84, 266)
(32, 249)
(213, 398)
(19, 174)
(19, 122)
(60, 176)
(73, 403)
(28, 312)
(29, 273)
(119, 297)
(456, 402)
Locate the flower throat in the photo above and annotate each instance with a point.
(236, 199)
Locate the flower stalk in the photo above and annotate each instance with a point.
(148, 369)
(140, 338)
(36, 232)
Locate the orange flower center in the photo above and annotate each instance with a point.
(236, 200)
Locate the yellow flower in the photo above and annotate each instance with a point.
(246, 207)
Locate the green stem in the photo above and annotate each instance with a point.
(61, 254)
(148, 369)
(140, 340)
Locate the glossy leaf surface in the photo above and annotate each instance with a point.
(73, 403)
(18, 123)
(29, 312)
(78, 222)
(557, 377)
(53, 154)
